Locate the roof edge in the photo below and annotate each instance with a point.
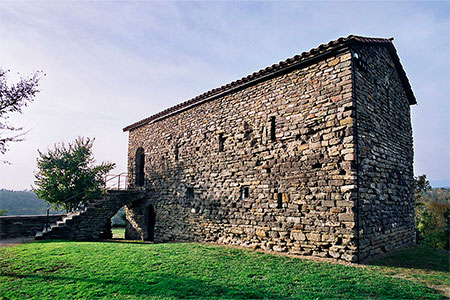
(287, 65)
(402, 74)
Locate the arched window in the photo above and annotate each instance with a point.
(139, 162)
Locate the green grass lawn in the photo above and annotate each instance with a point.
(118, 232)
(111, 270)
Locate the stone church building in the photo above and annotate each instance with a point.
(310, 156)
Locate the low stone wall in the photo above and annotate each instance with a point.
(25, 226)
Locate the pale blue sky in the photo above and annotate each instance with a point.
(111, 63)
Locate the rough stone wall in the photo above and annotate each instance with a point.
(268, 166)
(94, 221)
(25, 226)
(385, 155)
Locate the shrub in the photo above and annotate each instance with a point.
(434, 225)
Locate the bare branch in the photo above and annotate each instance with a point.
(13, 98)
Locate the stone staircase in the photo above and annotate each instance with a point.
(88, 223)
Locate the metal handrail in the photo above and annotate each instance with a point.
(118, 176)
(111, 177)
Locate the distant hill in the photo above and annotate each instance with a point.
(440, 194)
(27, 203)
(23, 203)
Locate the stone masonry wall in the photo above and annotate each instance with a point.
(269, 166)
(93, 222)
(385, 155)
(24, 226)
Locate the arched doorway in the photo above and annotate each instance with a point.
(151, 216)
(139, 162)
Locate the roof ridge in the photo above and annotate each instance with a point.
(270, 70)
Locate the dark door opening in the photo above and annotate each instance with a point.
(139, 167)
(151, 216)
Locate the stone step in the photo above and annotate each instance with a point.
(39, 236)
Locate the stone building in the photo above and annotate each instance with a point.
(312, 156)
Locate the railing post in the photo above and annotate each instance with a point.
(46, 220)
(109, 178)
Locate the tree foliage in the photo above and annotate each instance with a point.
(432, 213)
(67, 177)
(421, 185)
(12, 99)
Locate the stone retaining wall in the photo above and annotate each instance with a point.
(25, 226)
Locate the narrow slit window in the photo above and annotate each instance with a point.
(190, 193)
(245, 192)
(221, 142)
(176, 151)
(279, 200)
(386, 90)
(272, 129)
(139, 167)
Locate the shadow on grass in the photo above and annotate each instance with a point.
(305, 281)
(157, 286)
(416, 257)
(187, 287)
(113, 240)
(124, 241)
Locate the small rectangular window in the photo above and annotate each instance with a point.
(245, 192)
(190, 193)
(279, 200)
(221, 142)
(176, 152)
(272, 129)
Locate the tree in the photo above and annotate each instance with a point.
(67, 177)
(421, 185)
(432, 216)
(12, 99)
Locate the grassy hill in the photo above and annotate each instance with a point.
(109, 270)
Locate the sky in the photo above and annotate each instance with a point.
(109, 64)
